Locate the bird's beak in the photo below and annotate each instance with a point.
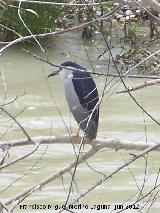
(54, 73)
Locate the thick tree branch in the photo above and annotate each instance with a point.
(106, 143)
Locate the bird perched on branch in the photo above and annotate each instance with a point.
(82, 97)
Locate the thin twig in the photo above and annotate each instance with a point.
(2, 206)
(20, 197)
(21, 158)
(140, 199)
(136, 76)
(17, 122)
(9, 29)
(93, 73)
(5, 154)
(10, 102)
(137, 156)
(25, 25)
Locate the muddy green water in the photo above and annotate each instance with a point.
(25, 77)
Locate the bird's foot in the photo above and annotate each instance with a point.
(84, 140)
(90, 142)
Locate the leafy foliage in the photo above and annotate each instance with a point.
(38, 18)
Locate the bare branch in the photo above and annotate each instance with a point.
(21, 158)
(14, 119)
(114, 172)
(134, 76)
(20, 197)
(63, 4)
(140, 86)
(2, 206)
(4, 155)
(106, 143)
(10, 102)
(144, 3)
(94, 73)
(16, 33)
(127, 72)
(24, 24)
(155, 5)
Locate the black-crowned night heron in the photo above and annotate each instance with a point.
(82, 97)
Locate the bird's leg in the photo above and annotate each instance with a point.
(77, 133)
(85, 140)
(77, 136)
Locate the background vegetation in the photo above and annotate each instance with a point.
(39, 19)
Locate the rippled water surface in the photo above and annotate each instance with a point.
(39, 101)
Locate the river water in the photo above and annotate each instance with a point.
(39, 101)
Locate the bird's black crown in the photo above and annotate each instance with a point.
(72, 64)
